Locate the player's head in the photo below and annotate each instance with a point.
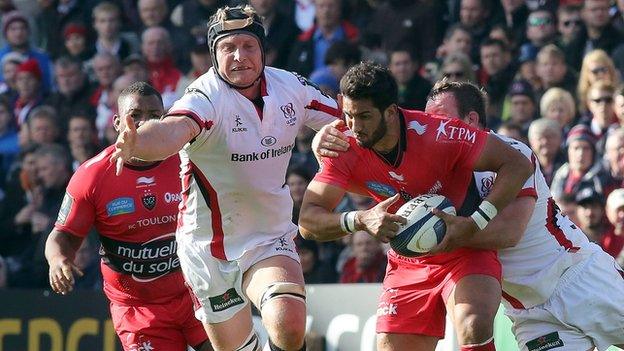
(236, 40)
(368, 95)
(139, 100)
(462, 100)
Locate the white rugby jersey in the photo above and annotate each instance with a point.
(234, 190)
(550, 244)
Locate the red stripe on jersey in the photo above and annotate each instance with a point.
(186, 188)
(515, 303)
(196, 303)
(210, 196)
(553, 228)
(319, 106)
(528, 192)
(192, 115)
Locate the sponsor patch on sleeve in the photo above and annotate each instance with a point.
(545, 342)
(65, 210)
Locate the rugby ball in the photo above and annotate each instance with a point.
(423, 229)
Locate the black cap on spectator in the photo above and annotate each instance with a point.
(589, 195)
(521, 87)
(11, 17)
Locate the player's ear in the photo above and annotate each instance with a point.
(116, 123)
(472, 118)
(392, 110)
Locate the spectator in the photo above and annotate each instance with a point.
(302, 155)
(522, 105)
(297, 179)
(496, 73)
(613, 241)
(75, 42)
(567, 204)
(475, 15)
(51, 21)
(590, 212)
(281, 31)
(10, 62)
(106, 68)
(339, 57)
(553, 71)
(613, 162)
(54, 171)
(191, 16)
(367, 263)
(16, 30)
(200, 64)
(569, 24)
(409, 22)
(73, 92)
(598, 32)
(43, 126)
(29, 93)
(456, 39)
(540, 31)
(136, 67)
(315, 271)
(516, 13)
(9, 146)
(545, 140)
(413, 89)
(155, 13)
(581, 169)
(512, 130)
(82, 139)
(163, 74)
(308, 53)
(601, 114)
(618, 105)
(597, 66)
(457, 67)
(557, 104)
(107, 24)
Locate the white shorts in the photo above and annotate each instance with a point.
(586, 310)
(217, 284)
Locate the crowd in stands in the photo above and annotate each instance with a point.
(552, 70)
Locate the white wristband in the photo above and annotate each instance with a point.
(484, 214)
(351, 221)
(343, 222)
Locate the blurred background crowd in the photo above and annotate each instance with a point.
(552, 70)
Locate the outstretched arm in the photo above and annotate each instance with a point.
(154, 140)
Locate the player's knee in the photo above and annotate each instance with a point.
(474, 328)
(286, 328)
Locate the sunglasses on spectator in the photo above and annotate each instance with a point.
(569, 23)
(536, 21)
(458, 74)
(599, 70)
(603, 100)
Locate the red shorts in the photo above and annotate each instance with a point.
(168, 326)
(416, 289)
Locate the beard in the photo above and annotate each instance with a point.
(377, 135)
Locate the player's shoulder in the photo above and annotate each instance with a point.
(516, 144)
(289, 79)
(98, 163)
